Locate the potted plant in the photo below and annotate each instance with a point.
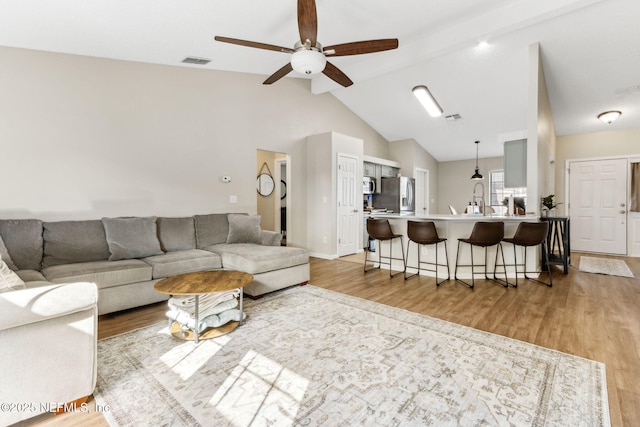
(548, 205)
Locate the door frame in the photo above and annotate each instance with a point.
(567, 188)
(286, 161)
(417, 172)
(358, 214)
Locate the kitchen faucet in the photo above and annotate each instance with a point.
(481, 198)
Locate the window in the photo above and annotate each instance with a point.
(498, 194)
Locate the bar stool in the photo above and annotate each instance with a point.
(484, 234)
(425, 233)
(380, 230)
(530, 234)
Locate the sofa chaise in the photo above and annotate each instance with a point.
(125, 257)
(48, 337)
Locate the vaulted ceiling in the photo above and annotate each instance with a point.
(590, 52)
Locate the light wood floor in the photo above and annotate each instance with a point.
(588, 315)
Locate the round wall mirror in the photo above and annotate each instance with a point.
(265, 184)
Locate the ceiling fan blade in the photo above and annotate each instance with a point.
(307, 21)
(336, 75)
(278, 74)
(253, 44)
(359, 48)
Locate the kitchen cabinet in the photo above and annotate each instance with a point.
(369, 169)
(380, 168)
(388, 171)
(515, 163)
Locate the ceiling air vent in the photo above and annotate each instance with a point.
(196, 61)
(453, 117)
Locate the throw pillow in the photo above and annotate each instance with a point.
(4, 255)
(9, 281)
(176, 234)
(69, 242)
(131, 237)
(211, 229)
(244, 229)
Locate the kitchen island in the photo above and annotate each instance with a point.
(454, 227)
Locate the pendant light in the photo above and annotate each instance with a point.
(476, 176)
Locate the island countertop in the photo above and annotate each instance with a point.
(454, 227)
(463, 218)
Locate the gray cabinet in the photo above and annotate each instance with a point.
(369, 169)
(388, 171)
(515, 163)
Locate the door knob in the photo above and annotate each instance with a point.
(623, 211)
(622, 205)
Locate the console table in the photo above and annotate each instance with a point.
(558, 242)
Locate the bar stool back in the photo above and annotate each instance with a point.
(484, 234)
(380, 230)
(425, 233)
(530, 234)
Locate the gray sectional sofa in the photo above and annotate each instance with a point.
(125, 257)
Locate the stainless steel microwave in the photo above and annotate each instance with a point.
(368, 185)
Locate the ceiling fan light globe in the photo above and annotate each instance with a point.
(308, 61)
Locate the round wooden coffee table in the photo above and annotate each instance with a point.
(204, 282)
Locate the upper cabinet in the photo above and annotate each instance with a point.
(380, 168)
(515, 163)
(369, 169)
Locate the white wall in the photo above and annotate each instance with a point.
(86, 137)
(455, 186)
(411, 155)
(322, 190)
(541, 139)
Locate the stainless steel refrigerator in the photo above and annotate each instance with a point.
(397, 195)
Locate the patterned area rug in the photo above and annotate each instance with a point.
(308, 356)
(610, 266)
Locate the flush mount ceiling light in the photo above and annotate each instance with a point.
(427, 100)
(308, 60)
(609, 116)
(476, 176)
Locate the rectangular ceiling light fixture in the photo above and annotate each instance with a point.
(427, 100)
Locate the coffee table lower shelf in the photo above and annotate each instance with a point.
(188, 335)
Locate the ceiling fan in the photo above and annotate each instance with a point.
(310, 57)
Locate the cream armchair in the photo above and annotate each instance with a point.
(48, 338)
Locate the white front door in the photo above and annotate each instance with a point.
(597, 206)
(348, 212)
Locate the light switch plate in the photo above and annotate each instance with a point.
(233, 199)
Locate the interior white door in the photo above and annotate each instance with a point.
(597, 206)
(348, 212)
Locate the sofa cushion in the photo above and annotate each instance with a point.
(68, 242)
(181, 262)
(4, 254)
(23, 238)
(211, 229)
(31, 276)
(244, 229)
(131, 237)
(255, 259)
(9, 280)
(105, 274)
(176, 234)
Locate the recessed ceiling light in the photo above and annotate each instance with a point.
(483, 45)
